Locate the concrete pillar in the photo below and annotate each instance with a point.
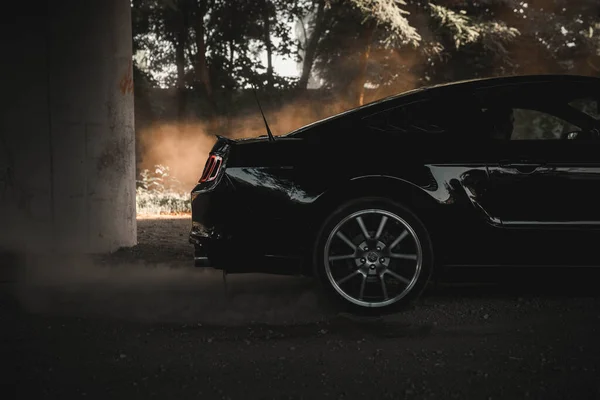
(67, 151)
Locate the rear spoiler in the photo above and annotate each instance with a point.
(222, 146)
(225, 139)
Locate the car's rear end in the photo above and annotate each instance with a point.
(255, 207)
(210, 211)
(243, 219)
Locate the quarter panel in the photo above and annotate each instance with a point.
(286, 204)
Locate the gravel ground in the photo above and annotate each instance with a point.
(142, 323)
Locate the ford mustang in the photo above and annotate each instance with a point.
(375, 201)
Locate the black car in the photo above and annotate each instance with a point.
(498, 172)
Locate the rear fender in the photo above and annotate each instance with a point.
(412, 196)
(415, 198)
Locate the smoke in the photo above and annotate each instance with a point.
(184, 147)
(154, 282)
(144, 292)
(144, 289)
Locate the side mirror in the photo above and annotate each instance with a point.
(572, 135)
(593, 134)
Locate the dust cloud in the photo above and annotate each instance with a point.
(162, 293)
(184, 147)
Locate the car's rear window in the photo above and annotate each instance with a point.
(426, 116)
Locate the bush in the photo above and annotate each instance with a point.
(158, 192)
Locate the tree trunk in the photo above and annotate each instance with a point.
(181, 36)
(201, 73)
(364, 58)
(311, 45)
(231, 89)
(267, 39)
(180, 62)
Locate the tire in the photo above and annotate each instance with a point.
(398, 264)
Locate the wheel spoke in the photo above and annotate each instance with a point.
(403, 256)
(395, 275)
(399, 239)
(383, 287)
(346, 240)
(381, 226)
(341, 257)
(362, 287)
(354, 284)
(347, 277)
(363, 228)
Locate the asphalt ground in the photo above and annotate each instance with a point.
(143, 323)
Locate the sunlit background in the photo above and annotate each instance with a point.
(196, 60)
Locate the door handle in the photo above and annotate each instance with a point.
(523, 166)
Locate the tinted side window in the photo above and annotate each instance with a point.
(588, 106)
(537, 125)
(505, 123)
(540, 111)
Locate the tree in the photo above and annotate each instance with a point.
(468, 42)
(566, 32)
(390, 15)
(199, 10)
(317, 24)
(361, 49)
(377, 43)
(211, 48)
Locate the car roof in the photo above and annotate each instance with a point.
(470, 84)
(521, 79)
(491, 82)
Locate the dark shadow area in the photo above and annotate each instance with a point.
(113, 326)
(519, 281)
(175, 293)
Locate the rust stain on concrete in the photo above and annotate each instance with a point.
(126, 82)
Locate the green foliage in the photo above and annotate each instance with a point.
(158, 192)
(162, 203)
(570, 33)
(153, 34)
(388, 14)
(374, 43)
(233, 35)
(468, 40)
(159, 180)
(465, 30)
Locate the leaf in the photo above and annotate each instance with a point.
(389, 14)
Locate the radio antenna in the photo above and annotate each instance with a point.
(271, 137)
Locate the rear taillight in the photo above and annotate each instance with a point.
(211, 169)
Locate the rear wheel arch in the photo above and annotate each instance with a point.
(395, 189)
(411, 196)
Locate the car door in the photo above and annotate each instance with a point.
(545, 176)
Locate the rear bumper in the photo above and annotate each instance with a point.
(228, 234)
(201, 245)
(234, 256)
(208, 244)
(209, 217)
